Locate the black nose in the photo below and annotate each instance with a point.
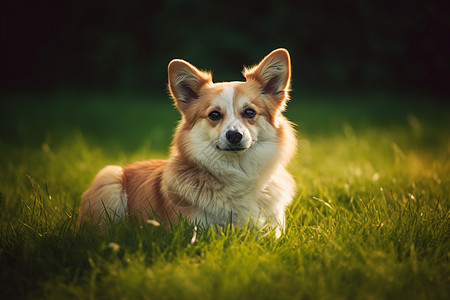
(233, 136)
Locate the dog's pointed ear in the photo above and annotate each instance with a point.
(185, 82)
(273, 73)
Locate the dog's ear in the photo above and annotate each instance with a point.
(273, 73)
(185, 82)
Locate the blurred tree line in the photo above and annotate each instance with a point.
(127, 44)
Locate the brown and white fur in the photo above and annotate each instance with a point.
(228, 158)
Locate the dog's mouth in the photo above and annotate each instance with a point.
(232, 149)
(235, 148)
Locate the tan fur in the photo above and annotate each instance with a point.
(146, 196)
(201, 180)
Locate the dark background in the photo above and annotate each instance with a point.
(397, 45)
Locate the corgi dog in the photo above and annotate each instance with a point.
(228, 157)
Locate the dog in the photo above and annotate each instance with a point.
(228, 157)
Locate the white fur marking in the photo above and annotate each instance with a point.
(106, 193)
(228, 95)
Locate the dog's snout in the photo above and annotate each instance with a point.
(234, 136)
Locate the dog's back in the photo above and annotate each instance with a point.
(135, 190)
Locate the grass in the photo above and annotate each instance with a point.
(371, 219)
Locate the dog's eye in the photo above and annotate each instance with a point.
(249, 113)
(215, 115)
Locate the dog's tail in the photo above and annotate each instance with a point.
(106, 199)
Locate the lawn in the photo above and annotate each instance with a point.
(371, 218)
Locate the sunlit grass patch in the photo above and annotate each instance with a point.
(371, 219)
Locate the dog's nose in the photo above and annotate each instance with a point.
(234, 136)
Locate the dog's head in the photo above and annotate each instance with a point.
(230, 118)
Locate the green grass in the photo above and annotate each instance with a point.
(371, 219)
